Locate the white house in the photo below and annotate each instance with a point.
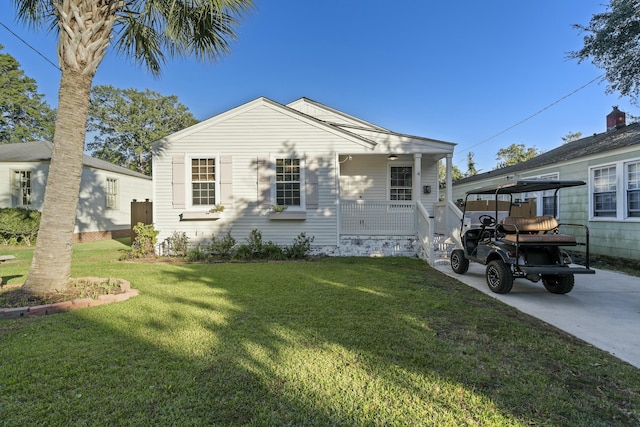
(357, 188)
(106, 190)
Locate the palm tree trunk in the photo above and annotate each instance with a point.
(51, 265)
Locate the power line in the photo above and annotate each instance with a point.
(532, 116)
(30, 47)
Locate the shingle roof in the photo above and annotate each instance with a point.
(598, 143)
(40, 151)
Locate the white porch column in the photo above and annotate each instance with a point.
(417, 168)
(449, 194)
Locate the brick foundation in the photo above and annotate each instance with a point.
(94, 236)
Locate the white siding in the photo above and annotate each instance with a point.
(260, 130)
(39, 171)
(92, 214)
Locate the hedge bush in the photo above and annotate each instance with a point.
(18, 226)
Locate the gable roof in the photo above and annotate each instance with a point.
(331, 120)
(596, 144)
(339, 117)
(40, 151)
(365, 129)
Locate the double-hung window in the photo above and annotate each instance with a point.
(203, 181)
(289, 182)
(112, 193)
(22, 187)
(633, 189)
(545, 200)
(401, 182)
(604, 191)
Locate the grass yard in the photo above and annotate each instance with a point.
(340, 341)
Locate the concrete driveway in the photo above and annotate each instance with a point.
(602, 309)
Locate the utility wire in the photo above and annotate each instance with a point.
(531, 116)
(30, 47)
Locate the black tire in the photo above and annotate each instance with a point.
(558, 284)
(499, 277)
(459, 264)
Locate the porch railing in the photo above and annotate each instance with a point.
(425, 227)
(361, 217)
(448, 219)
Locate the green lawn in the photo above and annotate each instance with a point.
(341, 341)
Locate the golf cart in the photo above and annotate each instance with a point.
(505, 235)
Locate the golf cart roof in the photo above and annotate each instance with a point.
(526, 185)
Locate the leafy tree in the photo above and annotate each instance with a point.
(24, 115)
(471, 165)
(571, 136)
(145, 30)
(127, 121)
(456, 173)
(514, 154)
(613, 44)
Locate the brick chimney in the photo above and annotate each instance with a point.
(615, 119)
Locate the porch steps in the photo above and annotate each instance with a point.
(442, 248)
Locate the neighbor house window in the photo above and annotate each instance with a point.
(633, 189)
(22, 188)
(203, 181)
(604, 192)
(112, 193)
(400, 187)
(545, 200)
(288, 182)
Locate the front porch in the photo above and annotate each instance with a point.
(398, 228)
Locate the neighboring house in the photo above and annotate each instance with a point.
(609, 204)
(356, 188)
(106, 190)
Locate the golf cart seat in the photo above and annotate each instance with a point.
(536, 230)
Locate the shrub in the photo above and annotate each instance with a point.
(254, 241)
(243, 253)
(221, 248)
(18, 225)
(144, 244)
(272, 251)
(178, 243)
(300, 248)
(196, 254)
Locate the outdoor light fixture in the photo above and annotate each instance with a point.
(393, 157)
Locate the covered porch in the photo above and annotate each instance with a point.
(392, 204)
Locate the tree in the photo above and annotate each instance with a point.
(514, 154)
(127, 121)
(145, 30)
(24, 115)
(571, 136)
(613, 44)
(471, 165)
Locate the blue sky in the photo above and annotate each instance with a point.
(460, 71)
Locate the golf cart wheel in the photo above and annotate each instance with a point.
(558, 284)
(459, 263)
(499, 277)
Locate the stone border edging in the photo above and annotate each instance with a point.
(76, 304)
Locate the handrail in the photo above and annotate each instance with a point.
(425, 227)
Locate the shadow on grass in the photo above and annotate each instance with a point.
(336, 342)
